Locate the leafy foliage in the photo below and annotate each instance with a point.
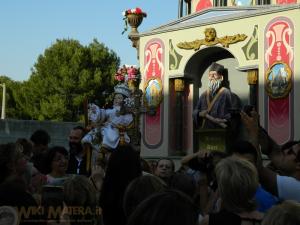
(61, 79)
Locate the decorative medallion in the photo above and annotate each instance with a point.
(174, 57)
(278, 80)
(279, 47)
(212, 39)
(153, 93)
(251, 48)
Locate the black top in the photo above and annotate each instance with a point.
(13, 194)
(74, 165)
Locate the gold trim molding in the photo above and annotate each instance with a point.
(179, 85)
(252, 77)
(212, 39)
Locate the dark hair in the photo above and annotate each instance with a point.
(80, 128)
(290, 144)
(7, 157)
(27, 146)
(169, 207)
(139, 189)
(51, 154)
(244, 147)
(122, 167)
(145, 166)
(184, 183)
(40, 137)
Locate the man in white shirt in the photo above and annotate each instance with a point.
(287, 160)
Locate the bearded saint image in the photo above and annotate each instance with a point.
(212, 109)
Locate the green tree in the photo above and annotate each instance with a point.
(13, 109)
(64, 76)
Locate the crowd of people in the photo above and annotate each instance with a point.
(123, 188)
(113, 185)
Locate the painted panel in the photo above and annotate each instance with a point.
(203, 4)
(154, 69)
(283, 2)
(279, 44)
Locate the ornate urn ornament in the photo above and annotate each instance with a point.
(133, 17)
(135, 21)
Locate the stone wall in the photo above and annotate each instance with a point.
(11, 130)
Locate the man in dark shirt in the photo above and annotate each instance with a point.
(79, 162)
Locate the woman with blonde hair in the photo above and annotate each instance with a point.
(237, 183)
(286, 213)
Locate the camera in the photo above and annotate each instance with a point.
(247, 109)
(207, 164)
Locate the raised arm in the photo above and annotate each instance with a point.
(267, 177)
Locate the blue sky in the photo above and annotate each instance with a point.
(28, 27)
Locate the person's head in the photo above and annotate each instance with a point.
(286, 213)
(12, 160)
(79, 192)
(57, 160)
(245, 150)
(139, 189)
(237, 184)
(118, 100)
(290, 158)
(27, 147)
(215, 77)
(163, 208)
(121, 91)
(145, 166)
(153, 165)
(184, 183)
(40, 139)
(75, 136)
(123, 166)
(165, 168)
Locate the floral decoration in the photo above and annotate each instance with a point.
(127, 73)
(136, 11)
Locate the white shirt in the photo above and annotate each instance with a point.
(288, 188)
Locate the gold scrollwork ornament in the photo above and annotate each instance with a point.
(212, 39)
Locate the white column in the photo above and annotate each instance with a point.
(3, 101)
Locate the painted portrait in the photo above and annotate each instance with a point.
(278, 80)
(153, 93)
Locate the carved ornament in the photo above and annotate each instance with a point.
(212, 39)
(179, 85)
(252, 77)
